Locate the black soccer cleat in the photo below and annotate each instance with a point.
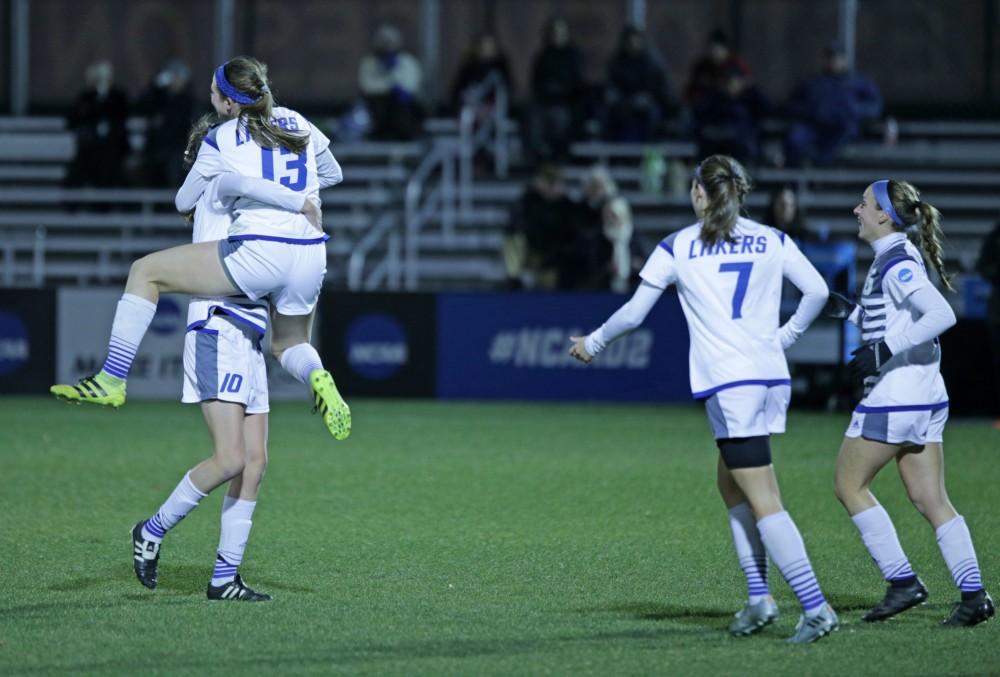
(236, 590)
(898, 598)
(972, 611)
(145, 556)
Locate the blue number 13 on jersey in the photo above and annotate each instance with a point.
(742, 271)
(295, 164)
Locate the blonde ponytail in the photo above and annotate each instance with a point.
(927, 219)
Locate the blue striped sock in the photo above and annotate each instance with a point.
(785, 547)
(224, 572)
(120, 356)
(955, 541)
(879, 536)
(749, 551)
(300, 360)
(153, 529)
(132, 317)
(183, 499)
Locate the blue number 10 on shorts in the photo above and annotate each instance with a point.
(222, 361)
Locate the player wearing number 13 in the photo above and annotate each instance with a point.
(728, 271)
(269, 252)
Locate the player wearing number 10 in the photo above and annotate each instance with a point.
(269, 252)
(728, 271)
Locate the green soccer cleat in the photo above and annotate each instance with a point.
(100, 388)
(336, 413)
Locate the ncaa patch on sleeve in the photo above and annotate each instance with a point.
(905, 275)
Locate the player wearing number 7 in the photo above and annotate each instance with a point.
(269, 252)
(728, 271)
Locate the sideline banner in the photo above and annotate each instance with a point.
(515, 346)
(84, 324)
(27, 340)
(379, 344)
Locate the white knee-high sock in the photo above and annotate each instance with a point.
(879, 536)
(184, 498)
(132, 319)
(749, 551)
(955, 541)
(237, 519)
(300, 360)
(785, 547)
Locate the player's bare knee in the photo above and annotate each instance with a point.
(230, 462)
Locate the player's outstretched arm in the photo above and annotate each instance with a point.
(624, 320)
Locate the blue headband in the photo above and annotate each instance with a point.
(881, 191)
(236, 95)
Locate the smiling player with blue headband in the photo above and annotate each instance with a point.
(905, 405)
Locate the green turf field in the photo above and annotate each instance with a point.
(464, 539)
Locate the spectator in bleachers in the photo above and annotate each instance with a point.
(786, 214)
(727, 117)
(602, 241)
(558, 93)
(168, 107)
(481, 60)
(638, 95)
(827, 110)
(713, 68)
(538, 240)
(988, 265)
(390, 80)
(98, 120)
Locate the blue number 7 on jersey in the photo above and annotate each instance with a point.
(743, 277)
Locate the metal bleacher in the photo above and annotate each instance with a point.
(85, 236)
(55, 235)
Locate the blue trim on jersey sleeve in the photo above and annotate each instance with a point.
(891, 262)
(210, 137)
(735, 384)
(865, 409)
(668, 242)
(781, 234)
(275, 238)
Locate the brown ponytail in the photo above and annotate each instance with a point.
(197, 134)
(726, 185)
(249, 76)
(927, 219)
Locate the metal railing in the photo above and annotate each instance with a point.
(483, 126)
(426, 202)
(390, 268)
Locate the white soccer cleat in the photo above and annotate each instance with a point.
(812, 628)
(754, 617)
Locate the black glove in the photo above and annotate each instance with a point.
(838, 306)
(868, 360)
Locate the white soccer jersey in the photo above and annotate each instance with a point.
(910, 380)
(229, 147)
(731, 297)
(212, 219)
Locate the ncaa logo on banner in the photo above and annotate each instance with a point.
(15, 345)
(377, 346)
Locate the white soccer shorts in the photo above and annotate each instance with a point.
(222, 361)
(291, 274)
(748, 411)
(893, 426)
